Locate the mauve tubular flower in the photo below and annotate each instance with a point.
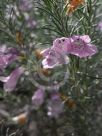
(62, 45)
(55, 106)
(81, 46)
(5, 60)
(38, 97)
(76, 45)
(72, 45)
(50, 60)
(7, 56)
(54, 59)
(10, 82)
(57, 54)
(45, 52)
(25, 5)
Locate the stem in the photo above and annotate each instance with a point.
(54, 128)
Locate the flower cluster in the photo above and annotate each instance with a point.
(7, 57)
(55, 56)
(76, 45)
(54, 104)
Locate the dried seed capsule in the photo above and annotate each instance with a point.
(38, 54)
(20, 119)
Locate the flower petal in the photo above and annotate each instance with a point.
(86, 38)
(5, 60)
(62, 45)
(81, 46)
(10, 84)
(45, 52)
(38, 97)
(55, 106)
(4, 79)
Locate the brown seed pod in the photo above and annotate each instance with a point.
(19, 38)
(68, 101)
(20, 119)
(46, 72)
(38, 54)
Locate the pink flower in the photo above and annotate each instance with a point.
(53, 59)
(5, 60)
(38, 97)
(55, 106)
(45, 52)
(10, 81)
(7, 56)
(81, 46)
(62, 45)
(75, 45)
(50, 60)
